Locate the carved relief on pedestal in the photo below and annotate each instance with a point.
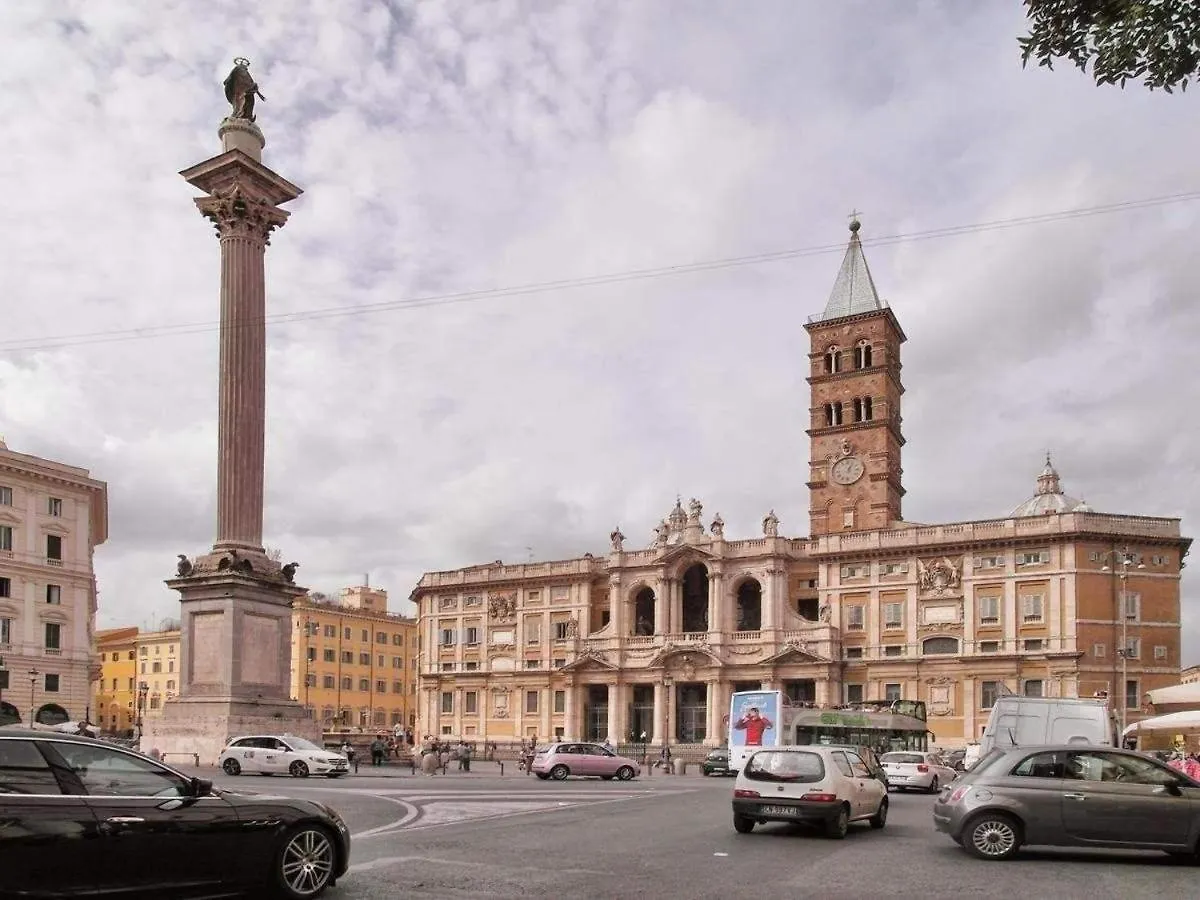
(502, 607)
(940, 577)
(500, 694)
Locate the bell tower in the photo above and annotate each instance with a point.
(854, 420)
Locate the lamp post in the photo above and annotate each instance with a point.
(143, 690)
(1123, 559)
(668, 684)
(3, 685)
(33, 677)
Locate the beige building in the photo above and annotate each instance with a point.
(1190, 675)
(354, 664)
(157, 671)
(1052, 599)
(52, 517)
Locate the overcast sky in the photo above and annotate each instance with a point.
(448, 147)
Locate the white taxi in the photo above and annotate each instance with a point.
(826, 786)
(277, 754)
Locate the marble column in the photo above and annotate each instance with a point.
(569, 712)
(662, 606)
(614, 713)
(660, 727)
(716, 606)
(711, 718)
(616, 606)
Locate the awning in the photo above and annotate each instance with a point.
(1177, 723)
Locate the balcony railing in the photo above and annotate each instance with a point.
(51, 561)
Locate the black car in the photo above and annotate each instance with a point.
(717, 762)
(82, 817)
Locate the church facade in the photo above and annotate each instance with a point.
(646, 645)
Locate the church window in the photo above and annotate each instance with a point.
(862, 355)
(833, 414)
(862, 409)
(833, 360)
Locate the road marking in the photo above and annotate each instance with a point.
(385, 861)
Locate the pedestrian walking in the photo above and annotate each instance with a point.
(351, 756)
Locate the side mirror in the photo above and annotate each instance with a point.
(201, 787)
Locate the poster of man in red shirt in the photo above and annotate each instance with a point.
(754, 723)
(753, 719)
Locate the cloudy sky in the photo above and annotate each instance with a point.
(464, 146)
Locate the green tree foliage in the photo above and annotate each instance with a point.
(1155, 41)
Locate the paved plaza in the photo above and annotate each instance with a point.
(483, 835)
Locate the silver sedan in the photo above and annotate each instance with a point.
(1070, 796)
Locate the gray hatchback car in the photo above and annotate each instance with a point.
(1070, 796)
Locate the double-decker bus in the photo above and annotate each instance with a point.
(767, 719)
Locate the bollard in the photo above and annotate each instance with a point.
(196, 759)
(412, 764)
(501, 768)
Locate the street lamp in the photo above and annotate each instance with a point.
(143, 690)
(3, 685)
(1126, 559)
(33, 677)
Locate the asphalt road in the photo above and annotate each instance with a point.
(481, 835)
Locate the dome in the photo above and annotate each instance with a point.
(1049, 499)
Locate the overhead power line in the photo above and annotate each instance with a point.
(541, 287)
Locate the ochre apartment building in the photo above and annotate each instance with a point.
(1051, 599)
(115, 698)
(353, 662)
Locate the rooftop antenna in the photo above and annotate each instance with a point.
(366, 579)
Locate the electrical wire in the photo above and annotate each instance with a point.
(186, 328)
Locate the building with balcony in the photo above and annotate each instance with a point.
(115, 696)
(157, 671)
(1053, 599)
(353, 662)
(52, 518)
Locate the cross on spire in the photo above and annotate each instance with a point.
(855, 224)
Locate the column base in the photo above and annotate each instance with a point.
(204, 726)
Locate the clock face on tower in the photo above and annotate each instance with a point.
(847, 470)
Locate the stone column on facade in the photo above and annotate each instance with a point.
(711, 705)
(459, 702)
(616, 605)
(716, 604)
(546, 706)
(661, 606)
(770, 596)
(677, 605)
(660, 720)
(614, 713)
(570, 732)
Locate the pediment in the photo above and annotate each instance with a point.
(798, 653)
(676, 552)
(686, 657)
(588, 662)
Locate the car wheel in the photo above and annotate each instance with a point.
(560, 773)
(625, 773)
(935, 786)
(837, 827)
(304, 867)
(742, 824)
(231, 767)
(992, 836)
(880, 818)
(298, 769)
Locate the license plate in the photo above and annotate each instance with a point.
(778, 811)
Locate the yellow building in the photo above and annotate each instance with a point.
(157, 670)
(116, 691)
(353, 662)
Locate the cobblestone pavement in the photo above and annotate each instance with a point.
(482, 835)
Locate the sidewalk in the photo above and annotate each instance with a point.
(482, 768)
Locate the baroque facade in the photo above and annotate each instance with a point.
(647, 645)
(52, 518)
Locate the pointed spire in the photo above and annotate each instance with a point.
(1048, 482)
(854, 289)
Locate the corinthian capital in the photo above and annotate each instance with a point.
(235, 214)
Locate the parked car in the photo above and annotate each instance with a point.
(562, 760)
(277, 754)
(84, 817)
(717, 762)
(908, 769)
(826, 786)
(1070, 796)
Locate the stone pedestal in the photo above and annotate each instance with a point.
(235, 658)
(239, 134)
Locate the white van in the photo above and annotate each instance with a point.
(1029, 721)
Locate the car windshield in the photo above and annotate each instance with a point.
(986, 760)
(786, 765)
(299, 743)
(902, 758)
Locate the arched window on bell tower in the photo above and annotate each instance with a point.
(833, 414)
(833, 360)
(862, 409)
(862, 354)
